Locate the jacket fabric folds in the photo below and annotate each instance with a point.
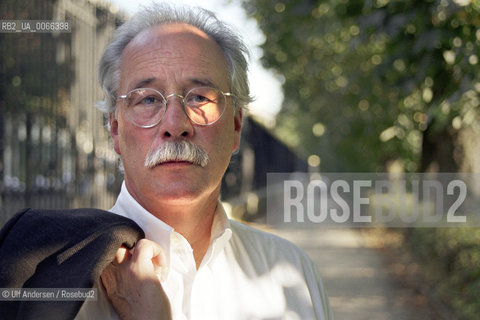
(58, 249)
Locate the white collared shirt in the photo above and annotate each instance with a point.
(245, 274)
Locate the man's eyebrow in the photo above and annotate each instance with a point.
(202, 82)
(144, 82)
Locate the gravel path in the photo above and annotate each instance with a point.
(357, 277)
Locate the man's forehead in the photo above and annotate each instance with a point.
(172, 45)
(164, 32)
(176, 41)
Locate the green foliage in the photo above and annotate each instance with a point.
(450, 260)
(376, 80)
(378, 75)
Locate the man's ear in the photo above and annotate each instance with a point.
(112, 120)
(237, 122)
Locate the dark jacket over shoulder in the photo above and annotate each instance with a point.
(58, 249)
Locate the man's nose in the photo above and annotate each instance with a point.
(175, 123)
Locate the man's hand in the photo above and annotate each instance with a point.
(132, 282)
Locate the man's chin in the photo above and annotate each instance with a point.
(177, 197)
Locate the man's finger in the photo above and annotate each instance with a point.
(121, 256)
(147, 251)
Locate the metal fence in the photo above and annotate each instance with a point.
(54, 150)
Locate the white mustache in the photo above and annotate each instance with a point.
(182, 150)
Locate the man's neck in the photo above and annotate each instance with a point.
(195, 224)
(192, 219)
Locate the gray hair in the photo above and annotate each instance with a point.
(234, 49)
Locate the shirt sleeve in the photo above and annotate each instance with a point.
(321, 306)
(313, 285)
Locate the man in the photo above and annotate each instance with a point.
(175, 84)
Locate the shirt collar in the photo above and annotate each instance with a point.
(220, 235)
(163, 234)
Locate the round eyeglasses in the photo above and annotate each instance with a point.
(145, 107)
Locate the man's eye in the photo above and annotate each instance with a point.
(199, 99)
(149, 100)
